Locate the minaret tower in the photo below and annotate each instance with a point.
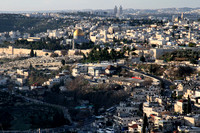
(182, 17)
(189, 34)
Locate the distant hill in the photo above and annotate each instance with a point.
(14, 22)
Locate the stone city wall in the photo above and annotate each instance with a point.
(20, 51)
(8, 50)
(73, 52)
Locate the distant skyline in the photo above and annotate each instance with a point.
(40, 5)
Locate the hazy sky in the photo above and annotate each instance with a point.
(30, 5)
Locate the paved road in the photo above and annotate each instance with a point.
(166, 82)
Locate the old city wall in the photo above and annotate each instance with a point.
(27, 51)
(73, 52)
(8, 50)
(20, 51)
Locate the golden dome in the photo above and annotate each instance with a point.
(79, 32)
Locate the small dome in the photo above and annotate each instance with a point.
(78, 32)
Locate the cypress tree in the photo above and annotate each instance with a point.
(32, 53)
(145, 123)
(63, 62)
(189, 106)
(84, 57)
(35, 55)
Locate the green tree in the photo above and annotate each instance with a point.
(56, 88)
(35, 55)
(145, 123)
(151, 69)
(32, 53)
(113, 54)
(173, 95)
(172, 87)
(175, 27)
(63, 62)
(189, 106)
(84, 57)
(193, 61)
(142, 58)
(54, 55)
(133, 49)
(31, 67)
(153, 45)
(140, 111)
(59, 119)
(192, 44)
(5, 120)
